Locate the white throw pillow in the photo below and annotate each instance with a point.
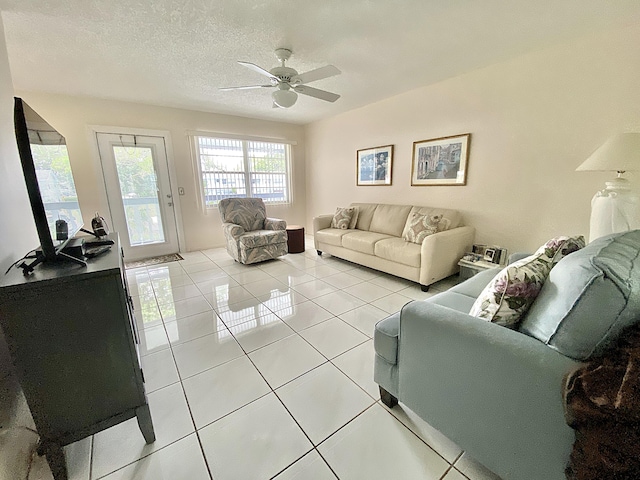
(421, 226)
(342, 218)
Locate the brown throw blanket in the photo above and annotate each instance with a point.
(602, 404)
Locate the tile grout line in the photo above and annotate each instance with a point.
(186, 399)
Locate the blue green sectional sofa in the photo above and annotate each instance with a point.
(495, 391)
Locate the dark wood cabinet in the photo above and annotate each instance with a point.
(73, 341)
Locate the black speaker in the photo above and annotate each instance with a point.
(62, 230)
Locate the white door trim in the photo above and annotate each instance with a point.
(94, 130)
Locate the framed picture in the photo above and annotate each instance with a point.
(441, 161)
(374, 166)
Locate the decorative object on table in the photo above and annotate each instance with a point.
(295, 239)
(374, 165)
(440, 161)
(617, 207)
(493, 254)
(472, 257)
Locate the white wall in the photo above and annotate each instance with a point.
(17, 229)
(72, 117)
(532, 121)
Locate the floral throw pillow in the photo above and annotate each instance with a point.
(342, 218)
(420, 226)
(509, 295)
(559, 247)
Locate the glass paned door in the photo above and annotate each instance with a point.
(139, 192)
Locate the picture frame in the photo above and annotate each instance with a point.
(441, 161)
(490, 255)
(374, 165)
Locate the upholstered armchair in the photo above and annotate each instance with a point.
(251, 237)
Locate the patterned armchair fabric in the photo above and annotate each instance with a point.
(251, 237)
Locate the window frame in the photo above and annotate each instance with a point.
(247, 173)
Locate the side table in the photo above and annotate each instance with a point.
(295, 239)
(469, 268)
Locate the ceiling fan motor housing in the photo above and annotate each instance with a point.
(285, 74)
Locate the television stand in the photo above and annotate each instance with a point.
(74, 341)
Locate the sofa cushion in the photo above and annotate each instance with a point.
(259, 238)
(362, 241)
(590, 297)
(511, 293)
(332, 236)
(385, 339)
(365, 215)
(399, 251)
(420, 226)
(342, 218)
(390, 219)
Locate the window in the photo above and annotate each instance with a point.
(243, 168)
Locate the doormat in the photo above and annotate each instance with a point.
(174, 257)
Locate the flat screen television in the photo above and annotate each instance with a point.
(50, 184)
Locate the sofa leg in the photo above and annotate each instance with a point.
(319, 252)
(424, 288)
(388, 399)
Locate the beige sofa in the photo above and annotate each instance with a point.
(375, 240)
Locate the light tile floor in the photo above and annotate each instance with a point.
(257, 372)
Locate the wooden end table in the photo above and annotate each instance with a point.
(295, 238)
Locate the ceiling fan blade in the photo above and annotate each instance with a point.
(247, 87)
(258, 69)
(317, 74)
(316, 93)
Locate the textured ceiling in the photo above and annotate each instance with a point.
(178, 53)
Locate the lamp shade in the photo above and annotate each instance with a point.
(620, 153)
(284, 98)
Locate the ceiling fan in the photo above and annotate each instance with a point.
(289, 83)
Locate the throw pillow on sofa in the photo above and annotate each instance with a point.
(421, 226)
(559, 247)
(509, 295)
(342, 218)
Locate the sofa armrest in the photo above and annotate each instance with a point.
(321, 222)
(274, 224)
(440, 253)
(488, 388)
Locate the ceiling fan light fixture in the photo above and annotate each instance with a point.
(284, 98)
